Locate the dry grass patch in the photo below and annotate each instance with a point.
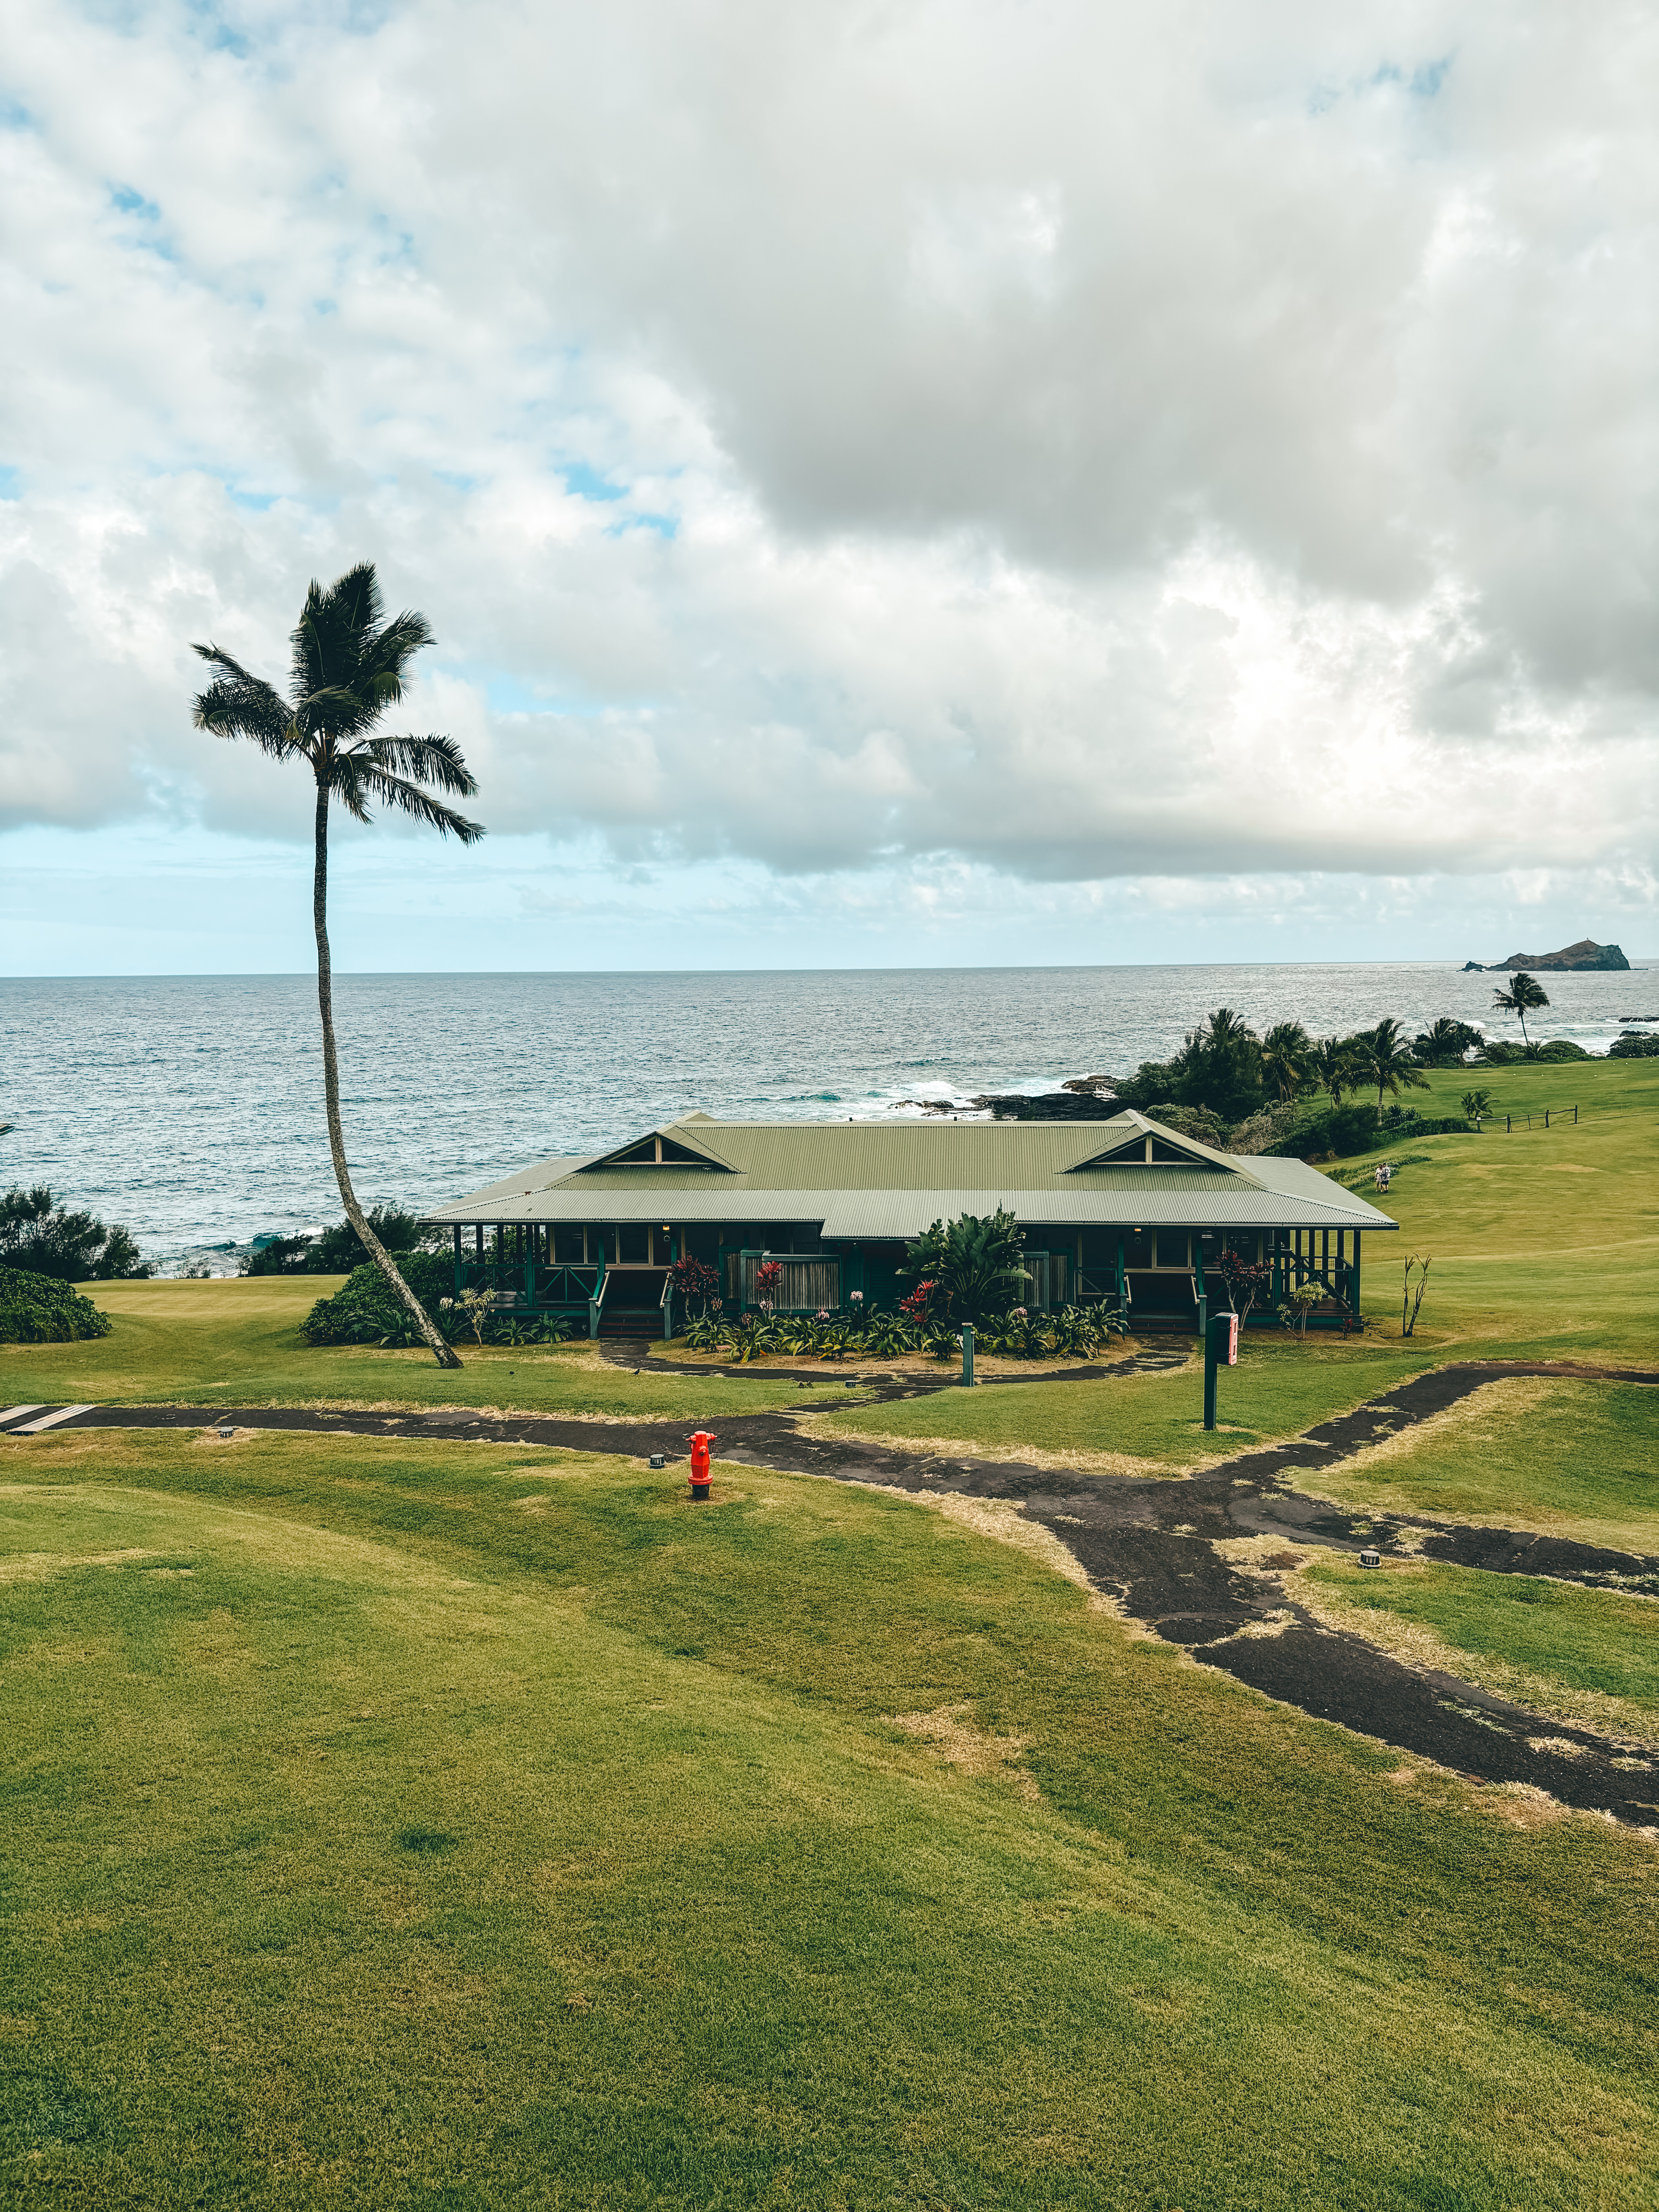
(832, 1430)
(970, 1751)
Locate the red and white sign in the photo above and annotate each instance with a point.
(1228, 1356)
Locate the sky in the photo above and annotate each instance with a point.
(892, 484)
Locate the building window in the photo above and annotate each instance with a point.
(568, 1247)
(1172, 1247)
(1138, 1249)
(633, 1245)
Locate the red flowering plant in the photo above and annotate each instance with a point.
(696, 1282)
(916, 1305)
(769, 1280)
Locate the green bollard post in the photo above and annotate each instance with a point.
(967, 1356)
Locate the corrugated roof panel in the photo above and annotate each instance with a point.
(900, 1155)
(879, 1215)
(877, 1181)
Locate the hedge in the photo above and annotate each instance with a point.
(366, 1308)
(41, 1309)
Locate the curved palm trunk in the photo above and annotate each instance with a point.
(443, 1354)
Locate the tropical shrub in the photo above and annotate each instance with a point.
(1559, 1049)
(1261, 1131)
(1188, 1121)
(891, 1335)
(37, 1309)
(696, 1282)
(1634, 1045)
(971, 1264)
(1249, 1284)
(47, 1239)
(366, 1309)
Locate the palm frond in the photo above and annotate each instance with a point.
(336, 623)
(386, 653)
(395, 791)
(428, 760)
(244, 706)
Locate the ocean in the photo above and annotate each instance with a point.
(191, 1107)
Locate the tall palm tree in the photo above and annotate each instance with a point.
(1286, 1051)
(348, 668)
(1382, 1056)
(1331, 1064)
(1524, 996)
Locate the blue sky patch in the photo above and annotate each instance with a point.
(11, 481)
(587, 483)
(134, 202)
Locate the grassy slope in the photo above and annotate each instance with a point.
(1566, 1458)
(238, 1344)
(1544, 1246)
(443, 1825)
(1579, 1640)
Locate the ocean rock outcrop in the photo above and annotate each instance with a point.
(1587, 953)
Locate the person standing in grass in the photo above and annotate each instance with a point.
(348, 666)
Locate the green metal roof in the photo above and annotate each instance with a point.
(875, 1181)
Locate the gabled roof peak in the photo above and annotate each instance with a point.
(1147, 1143)
(660, 1148)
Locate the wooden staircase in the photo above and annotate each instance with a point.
(632, 1324)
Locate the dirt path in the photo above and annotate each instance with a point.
(1152, 1547)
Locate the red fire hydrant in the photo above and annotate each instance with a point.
(701, 1478)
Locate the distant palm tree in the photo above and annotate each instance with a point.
(1382, 1056)
(348, 668)
(1286, 1057)
(1524, 996)
(1331, 1063)
(1477, 1104)
(1444, 1042)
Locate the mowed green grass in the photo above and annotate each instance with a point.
(1545, 1242)
(1573, 1459)
(1600, 1641)
(396, 1824)
(237, 1343)
(1280, 1387)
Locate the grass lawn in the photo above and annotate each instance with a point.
(1591, 1656)
(1546, 1243)
(1566, 1458)
(1154, 1421)
(238, 1344)
(394, 1823)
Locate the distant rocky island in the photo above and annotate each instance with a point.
(1587, 953)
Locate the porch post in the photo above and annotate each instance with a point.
(1122, 1280)
(1356, 1274)
(458, 1259)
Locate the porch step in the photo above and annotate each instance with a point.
(638, 1324)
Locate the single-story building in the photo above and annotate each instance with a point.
(1123, 1209)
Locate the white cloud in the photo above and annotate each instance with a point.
(1071, 443)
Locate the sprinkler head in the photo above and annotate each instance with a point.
(1371, 1558)
(658, 1460)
